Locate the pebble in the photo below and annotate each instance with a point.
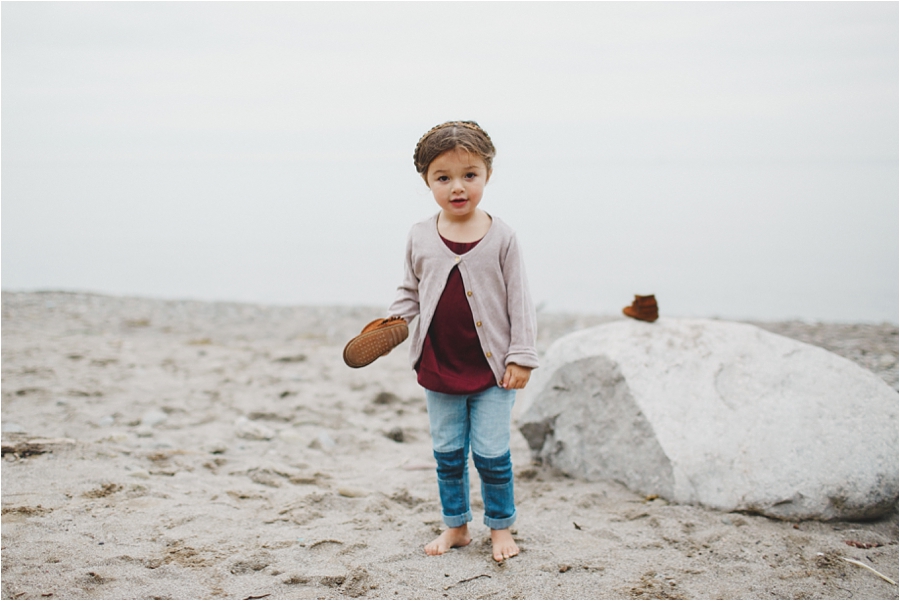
(144, 432)
(12, 427)
(396, 434)
(154, 417)
(323, 442)
(142, 474)
(248, 430)
(291, 435)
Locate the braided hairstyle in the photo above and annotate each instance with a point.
(467, 135)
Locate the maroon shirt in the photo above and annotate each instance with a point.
(452, 360)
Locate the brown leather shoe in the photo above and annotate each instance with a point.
(377, 339)
(643, 308)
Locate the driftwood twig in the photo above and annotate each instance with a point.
(448, 587)
(871, 569)
(34, 446)
(326, 541)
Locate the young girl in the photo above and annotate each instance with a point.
(474, 343)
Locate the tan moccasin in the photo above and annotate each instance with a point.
(643, 308)
(377, 339)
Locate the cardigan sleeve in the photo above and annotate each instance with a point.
(406, 302)
(522, 318)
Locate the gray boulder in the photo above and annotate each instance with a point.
(720, 414)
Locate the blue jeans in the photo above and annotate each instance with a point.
(482, 420)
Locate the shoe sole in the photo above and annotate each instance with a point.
(365, 348)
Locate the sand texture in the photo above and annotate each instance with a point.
(172, 449)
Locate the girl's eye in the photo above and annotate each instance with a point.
(470, 175)
(443, 178)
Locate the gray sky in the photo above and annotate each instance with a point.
(737, 159)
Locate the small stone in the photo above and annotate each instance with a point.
(351, 493)
(142, 474)
(144, 432)
(291, 435)
(152, 418)
(386, 398)
(323, 442)
(395, 434)
(12, 427)
(248, 430)
(106, 421)
(291, 359)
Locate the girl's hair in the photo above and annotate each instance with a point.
(467, 135)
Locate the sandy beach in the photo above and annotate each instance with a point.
(176, 449)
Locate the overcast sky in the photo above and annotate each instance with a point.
(739, 160)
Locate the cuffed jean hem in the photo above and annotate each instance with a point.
(455, 521)
(500, 524)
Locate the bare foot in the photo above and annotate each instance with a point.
(449, 538)
(504, 545)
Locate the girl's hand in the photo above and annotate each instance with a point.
(516, 377)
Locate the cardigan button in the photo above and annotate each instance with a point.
(478, 324)
(469, 293)
(488, 354)
(457, 259)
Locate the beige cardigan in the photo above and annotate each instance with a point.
(493, 274)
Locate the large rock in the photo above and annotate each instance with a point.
(720, 414)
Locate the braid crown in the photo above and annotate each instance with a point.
(447, 136)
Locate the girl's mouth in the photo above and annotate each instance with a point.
(456, 202)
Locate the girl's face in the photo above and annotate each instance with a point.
(457, 178)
